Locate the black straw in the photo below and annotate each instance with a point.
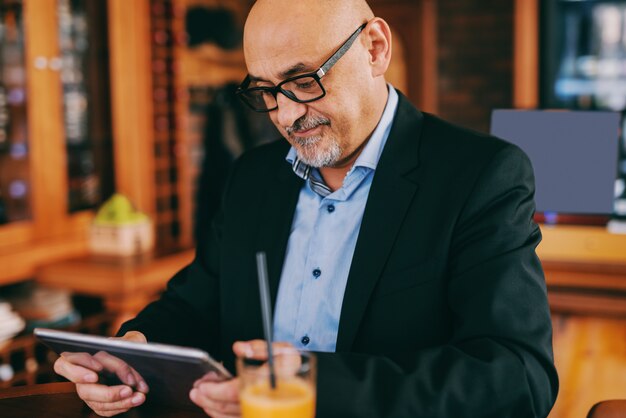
(266, 311)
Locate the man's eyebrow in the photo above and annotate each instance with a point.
(290, 72)
(296, 69)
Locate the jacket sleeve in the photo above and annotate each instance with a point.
(498, 361)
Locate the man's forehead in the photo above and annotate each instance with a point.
(282, 54)
(279, 39)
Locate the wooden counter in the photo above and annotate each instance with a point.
(585, 269)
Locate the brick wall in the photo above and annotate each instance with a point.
(475, 60)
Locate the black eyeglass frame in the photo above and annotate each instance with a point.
(316, 75)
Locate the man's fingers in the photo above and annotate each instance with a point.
(258, 348)
(212, 406)
(136, 399)
(287, 359)
(220, 391)
(134, 336)
(247, 348)
(209, 377)
(82, 359)
(101, 393)
(73, 372)
(109, 400)
(217, 399)
(122, 370)
(141, 385)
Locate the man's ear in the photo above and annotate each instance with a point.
(378, 38)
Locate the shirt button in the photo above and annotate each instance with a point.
(317, 273)
(330, 208)
(305, 340)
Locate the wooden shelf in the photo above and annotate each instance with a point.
(582, 244)
(20, 258)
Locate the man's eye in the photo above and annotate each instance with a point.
(306, 85)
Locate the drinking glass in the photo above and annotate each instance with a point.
(294, 394)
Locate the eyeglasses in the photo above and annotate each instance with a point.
(304, 88)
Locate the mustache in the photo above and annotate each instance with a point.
(307, 122)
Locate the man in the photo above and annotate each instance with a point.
(400, 248)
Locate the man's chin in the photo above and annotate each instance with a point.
(316, 160)
(317, 152)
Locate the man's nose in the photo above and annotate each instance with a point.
(288, 111)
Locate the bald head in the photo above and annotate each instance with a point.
(313, 17)
(314, 26)
(336, 11)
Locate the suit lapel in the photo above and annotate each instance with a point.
(393, 189)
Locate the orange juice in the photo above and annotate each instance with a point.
(293, 398)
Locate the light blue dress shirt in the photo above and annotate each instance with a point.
(321, 245)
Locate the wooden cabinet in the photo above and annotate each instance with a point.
(51, 226)
(45, 229)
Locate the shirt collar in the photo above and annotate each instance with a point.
(373, 149)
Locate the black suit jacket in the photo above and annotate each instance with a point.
(445, 311)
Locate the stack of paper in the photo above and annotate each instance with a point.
(44, 307)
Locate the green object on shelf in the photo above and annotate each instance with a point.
(118, 210)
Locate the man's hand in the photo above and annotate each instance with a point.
(82, 369)
(220, 399)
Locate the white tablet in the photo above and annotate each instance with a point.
(170, 371)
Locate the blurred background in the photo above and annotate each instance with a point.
(134, 100)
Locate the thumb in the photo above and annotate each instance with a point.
(243, 349)
(135, 336)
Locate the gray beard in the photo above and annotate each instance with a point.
(310, 155)
(309, 150)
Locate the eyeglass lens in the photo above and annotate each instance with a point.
(303, 89)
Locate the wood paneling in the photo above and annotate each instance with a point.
(526, 55)
(131, 97)
(48, 161)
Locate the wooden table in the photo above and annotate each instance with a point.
(59, 400)
(126, 284)
(585, 269)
